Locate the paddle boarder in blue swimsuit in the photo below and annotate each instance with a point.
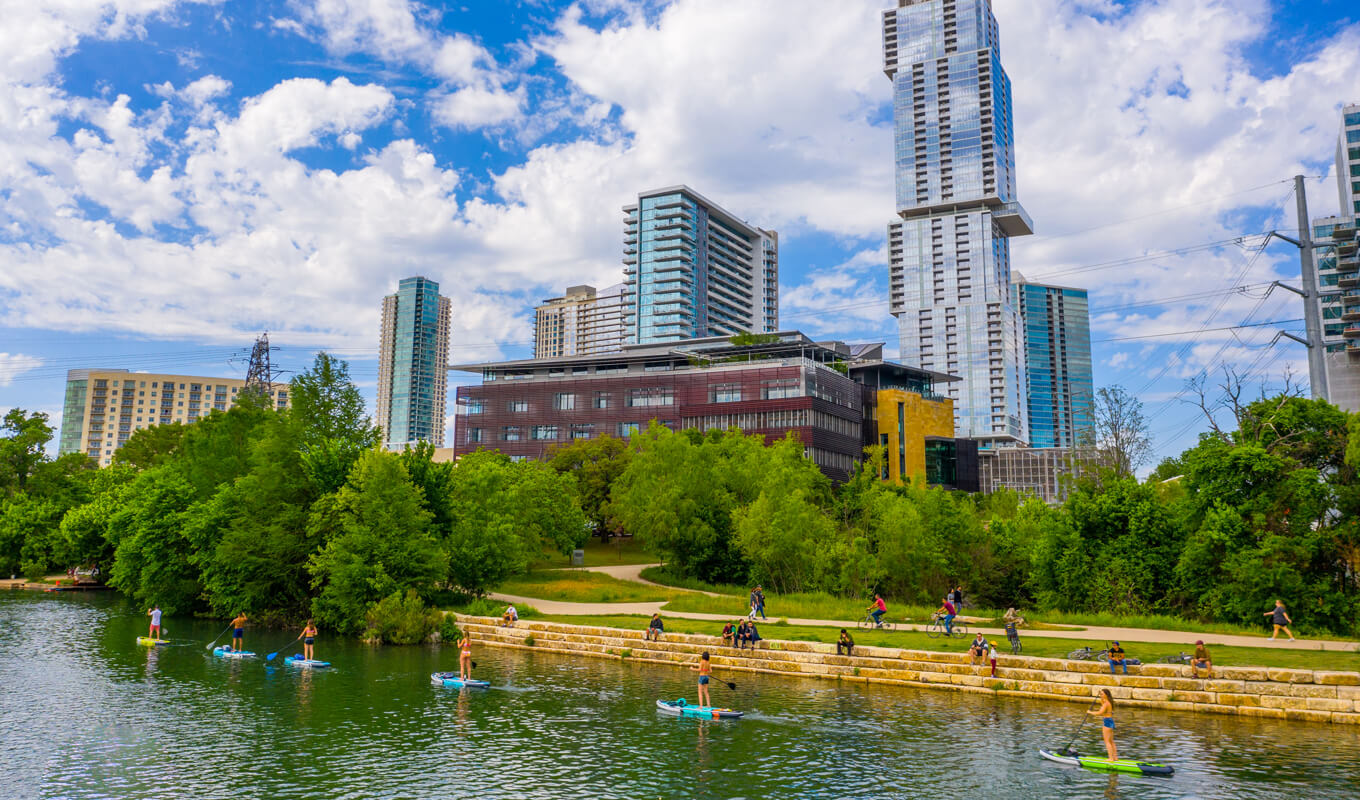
(1106, 713)
(308, 637)
(704, 668)
(238, 634)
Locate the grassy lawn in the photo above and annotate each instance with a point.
(579, 586)
(1034, 645)
(620, 550)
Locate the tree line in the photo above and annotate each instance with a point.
(293, 513)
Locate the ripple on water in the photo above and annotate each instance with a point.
(89, 714)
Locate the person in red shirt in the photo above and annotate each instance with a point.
(877, 610)
(947, 611)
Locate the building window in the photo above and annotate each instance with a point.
(582, 431)
(564, 401)
(474, 435)
(510, 433)
(779, 389)
(602, 399)
(725, 393)
(518, 406)
(475, 406)
(652, 396)
(627, 429)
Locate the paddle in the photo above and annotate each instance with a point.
(1082, 724)
(270, 657)
(219, 636)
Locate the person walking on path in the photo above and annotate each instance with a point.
(1117, 657)
(845, 645)
(308, 640)
(958, 597)
(1106, 713)
(238, 633)
(1201, 661)
(705, 669)
(759, 595)
(1280, 619)
(155, 632)
(465, 656)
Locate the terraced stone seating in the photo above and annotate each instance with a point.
(1313, 696)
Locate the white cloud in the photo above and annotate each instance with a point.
(475, 107)
(12, 365)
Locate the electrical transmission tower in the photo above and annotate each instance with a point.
(260, 373)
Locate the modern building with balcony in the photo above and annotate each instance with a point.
(1057, 335)
(834, 397)
(949, 249)
(693, 270)
(104, 407)
(413, 357)
(580, 322)
(1338, 274)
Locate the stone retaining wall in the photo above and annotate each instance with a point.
(1307, 695)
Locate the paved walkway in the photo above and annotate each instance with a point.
(1090, 634)
(633, 572)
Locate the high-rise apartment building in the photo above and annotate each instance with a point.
(413, 360)
(949, 253)
(580, 322)
(103, 407)
(1057, 335)
(694, 270)
(1348, 161)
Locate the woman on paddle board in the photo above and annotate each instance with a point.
(1106, 713)
(465, 656)
(308, 637)
(705, 669)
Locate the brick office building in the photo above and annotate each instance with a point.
(787, 382)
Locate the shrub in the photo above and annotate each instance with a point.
(448, 629)
(401, 620)
(528, 641)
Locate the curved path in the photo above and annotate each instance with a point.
(1088, 633)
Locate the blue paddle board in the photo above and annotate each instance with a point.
(452, 679)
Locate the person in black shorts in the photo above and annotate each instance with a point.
(845, 645)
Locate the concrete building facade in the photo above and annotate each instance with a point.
(580, 322)
(949, 249)
(104, 407)
(694, 270)
(413, 357)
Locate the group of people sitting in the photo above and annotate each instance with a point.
(740, 634)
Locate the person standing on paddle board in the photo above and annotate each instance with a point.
(1106, 713)
(155, 613)
(465, 656)
(238, 633)
(308, 638)
(1280, 619)
(705, 669)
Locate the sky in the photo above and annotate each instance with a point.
(178, 176)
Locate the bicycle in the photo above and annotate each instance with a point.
(1013, 635)
(1087, 654)
(868, 623)
(936, 629)
(1179, 658)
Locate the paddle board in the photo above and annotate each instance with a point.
(149, 642)
(299, 661)
(223, 651)
(682, 709)
(452, 679)
(1075, 759)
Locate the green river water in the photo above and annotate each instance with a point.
(85, 712)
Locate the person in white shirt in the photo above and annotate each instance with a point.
(155, 613)
(511, 616)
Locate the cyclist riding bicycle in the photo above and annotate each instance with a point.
(947, 612)
(877, 610)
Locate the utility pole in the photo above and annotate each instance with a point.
(1312, 305)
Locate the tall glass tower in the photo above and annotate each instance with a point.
(413, 363)
(692, 269)
(1057, 326)
(949, 252)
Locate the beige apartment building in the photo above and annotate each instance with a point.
(581, 322)
(104, 406)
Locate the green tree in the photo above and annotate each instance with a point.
(151, 447)
(596, 464)
(377, 543)
(505, 515)
(153, 560)
(434, 479)
(334, 430)
(23, 439)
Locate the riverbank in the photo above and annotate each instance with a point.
(1293, 694)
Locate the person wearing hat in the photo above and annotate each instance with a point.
(991, 653)
(1201, 661)
(1116, 656)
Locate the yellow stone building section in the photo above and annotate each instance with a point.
(904, 420)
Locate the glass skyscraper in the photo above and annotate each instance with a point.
(692, 270)
(413, 362)
(949, 252)
(1057, 338)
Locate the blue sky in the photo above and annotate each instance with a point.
(176, 177)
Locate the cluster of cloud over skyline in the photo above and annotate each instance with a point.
(190, 173)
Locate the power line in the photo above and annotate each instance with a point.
(1201, 330)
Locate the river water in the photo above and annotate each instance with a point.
(85, 712)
